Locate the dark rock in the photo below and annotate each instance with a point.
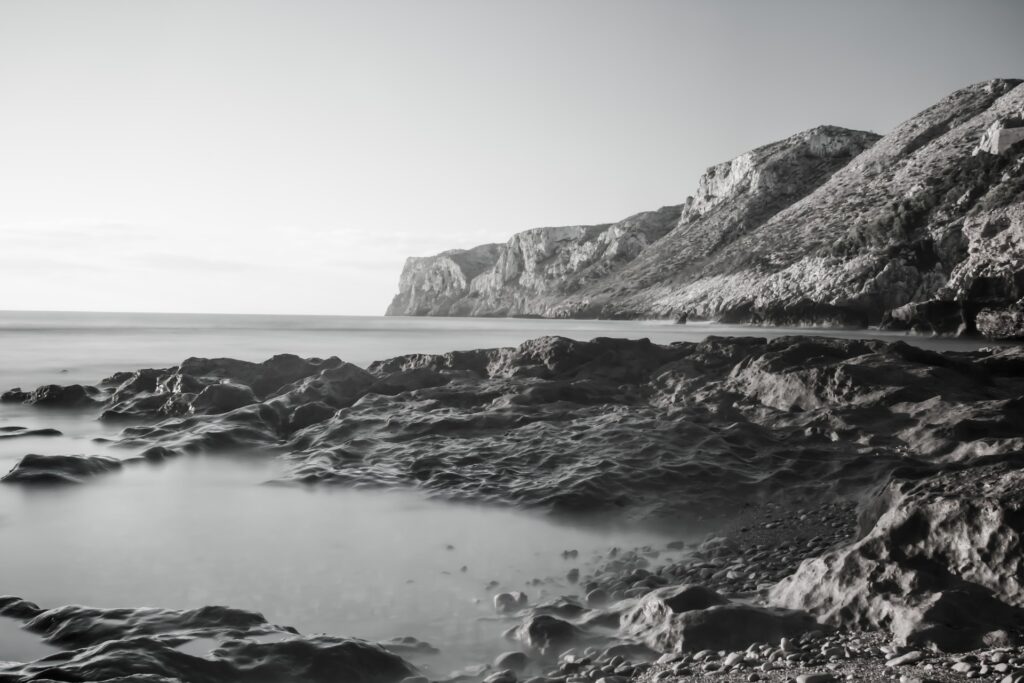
(309, 414)
(20, 431)
(934, 316)
(223, 397)
(691, 618)
(71, 396)
(15, 395)
(339, 386)
(59, 469)
(546, 634)
(140, 645)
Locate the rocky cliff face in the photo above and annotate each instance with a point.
(529, 274)
(918, 229)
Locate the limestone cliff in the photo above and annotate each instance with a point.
(918, 229)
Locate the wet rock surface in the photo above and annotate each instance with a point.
(149, 644)
(59, 469)
(879, 526)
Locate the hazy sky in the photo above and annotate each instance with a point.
(286, 156)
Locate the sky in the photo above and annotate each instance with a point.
(286, 156)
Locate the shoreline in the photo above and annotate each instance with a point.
(603, 426)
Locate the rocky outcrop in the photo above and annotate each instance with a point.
(71, 396)
(531, 272)
(693, 618)
(59, 469)
(609, 425)
(918, 230)
(435, 285)
(939, 568)
(152, 644)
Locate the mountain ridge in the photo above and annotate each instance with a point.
(918, 229)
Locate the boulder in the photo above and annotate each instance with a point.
(509, 602)
(15, 395)
(547, 634)
(691, 618)
(1004, 324)
(939, 567)
(71, 396)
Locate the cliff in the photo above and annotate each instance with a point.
(917, 229)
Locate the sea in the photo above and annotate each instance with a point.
(204, 529)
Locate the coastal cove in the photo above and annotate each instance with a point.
(374, 552)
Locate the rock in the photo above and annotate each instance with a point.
(72, 396)
(516, 661)
(13, 433)
(59, 469)
(501, 677)
(597, 598)
(828, 226)
(934, 316)
(951, 542)
(222, 398)
(338, 386)
(1005, 324)
(693, 618)
(15, 395)
(308, 414)
(509, 602)
(820, 677)
(545, 634)
(912, 657)
(139, 645)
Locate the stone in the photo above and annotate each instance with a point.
(59, 469)
(222, 398)
(72, 396)
(953, 540)
(510, 602)
(670, 620)
(912, 657)
(516, 661)
(544, 633)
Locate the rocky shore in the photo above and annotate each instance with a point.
(918, 229)
(861, 502)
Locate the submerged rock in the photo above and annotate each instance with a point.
(59, 469)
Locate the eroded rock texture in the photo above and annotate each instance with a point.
(209, 644)
(651, 431)
(59, 469)
(827, 226)
(606, 425)
(941, 566)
